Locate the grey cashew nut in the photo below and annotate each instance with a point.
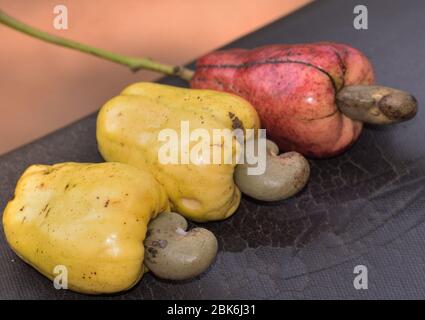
(285, 175)
(173, 253)
(376, 104)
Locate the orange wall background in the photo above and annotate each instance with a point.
(44, 87)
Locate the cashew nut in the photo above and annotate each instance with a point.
(376, 104)
(176, 254)
(285, 175)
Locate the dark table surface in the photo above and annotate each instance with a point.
(366, 207)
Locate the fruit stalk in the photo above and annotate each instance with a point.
(134, 63)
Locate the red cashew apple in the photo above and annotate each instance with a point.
(311, 98)
(293, 88)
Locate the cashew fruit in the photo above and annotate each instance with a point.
(128, 128)
(285, 175)
(90, 218)
(293, 88)
(176, 254)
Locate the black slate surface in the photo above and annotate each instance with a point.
(366, 207)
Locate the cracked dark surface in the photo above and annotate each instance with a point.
(364, 207)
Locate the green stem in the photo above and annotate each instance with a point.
(134, 63)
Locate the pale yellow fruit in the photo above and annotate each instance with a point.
(127, 131)
(90, 218)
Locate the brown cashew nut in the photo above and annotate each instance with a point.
(173, 253)
(285, 175)
(376, 104)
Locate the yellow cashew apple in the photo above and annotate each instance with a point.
(128, 129)
(89, 218)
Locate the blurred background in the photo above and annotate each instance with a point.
(44, 87)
